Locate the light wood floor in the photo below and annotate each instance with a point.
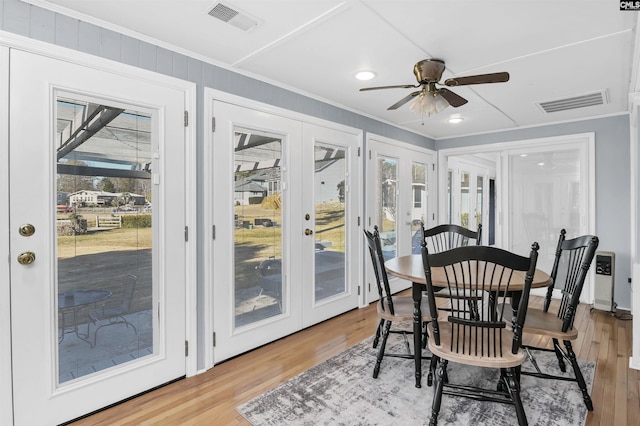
(210, 398)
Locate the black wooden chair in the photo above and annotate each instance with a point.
(481, 338)
(391, 309)
(572, 260)
(445, 237)
(112, 313)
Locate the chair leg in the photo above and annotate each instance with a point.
(513, 387)
(378, 333)
(437, 392)
(579, 377)
(385, 335)
(559, 355)
(425, 335)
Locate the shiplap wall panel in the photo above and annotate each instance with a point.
(110, 45)
(16, 17)
(89, 38)
(131, 52)
(180, 67)
(164, 61)
(67, 34)
(42, 24)
(148, 58)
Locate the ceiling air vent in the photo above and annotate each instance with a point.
(589, 99)
(233, 16)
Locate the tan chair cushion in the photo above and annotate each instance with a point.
(444, 350)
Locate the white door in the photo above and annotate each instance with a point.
(96, 236)
(285, 250)
(330, 189)
(472, 189)
(399, 198)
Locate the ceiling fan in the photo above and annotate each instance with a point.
(428, 73)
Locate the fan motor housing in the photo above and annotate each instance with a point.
(428, 70)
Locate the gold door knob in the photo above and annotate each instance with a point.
(27, 230)
(26, 258)
(308, 231)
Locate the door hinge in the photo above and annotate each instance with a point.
(186, 118)
(186, 348)
(214, 339)
(433, 167)
(213, 124)
(358, 220)
(213, 232)
(369, 154)
(369, 289)
(186, 233)
(358, 290)
(358, 151)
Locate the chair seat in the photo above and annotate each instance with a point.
(106, 313)
(403, 307)
(544, 324)
(444, 351)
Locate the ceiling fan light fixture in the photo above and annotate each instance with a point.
(365, 75)
(428, 103)
(455, 120)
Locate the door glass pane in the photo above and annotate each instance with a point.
(464, 200)
(386, 202)
(330, 214)
(479, 200)
(545, 195)
(419, 207)
(258, 275)
(104, 236)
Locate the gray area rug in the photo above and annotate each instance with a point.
(341, 391)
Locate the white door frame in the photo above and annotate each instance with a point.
(209, 96)
(7, 41)
(370, 293)
(6, 384)
(503, 149)
(484, 168)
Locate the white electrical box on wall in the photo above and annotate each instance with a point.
(605, 281)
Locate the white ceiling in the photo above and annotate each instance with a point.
(552, 49)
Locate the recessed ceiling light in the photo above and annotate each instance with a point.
(455, 120)
(541, 164)
(365, 75)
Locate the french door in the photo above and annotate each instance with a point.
(284, 208)
(97, 195)
(471, 196)
(399, 198)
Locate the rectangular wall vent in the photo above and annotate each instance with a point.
(233, 16)
(589, 99)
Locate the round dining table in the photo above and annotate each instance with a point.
(410, 268)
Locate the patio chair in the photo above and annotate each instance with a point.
(391, 309)
(112, 314)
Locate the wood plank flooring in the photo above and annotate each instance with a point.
(210, 398)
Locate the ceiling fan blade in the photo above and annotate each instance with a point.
(453, 99)
(497, 77)
(401, 86)
(404, 100)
